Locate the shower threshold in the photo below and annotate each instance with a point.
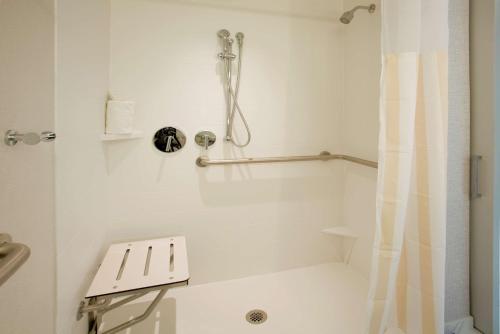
(322, 299)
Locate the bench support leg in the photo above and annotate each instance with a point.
(98, 306)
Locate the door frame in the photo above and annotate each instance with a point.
(496, 177)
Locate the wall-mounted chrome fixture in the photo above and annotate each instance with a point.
(232, 90)
(169, 140)
(13, 137)
(205, 139)
(347, 17)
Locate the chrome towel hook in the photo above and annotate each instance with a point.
(12, 137)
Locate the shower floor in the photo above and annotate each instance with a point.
(327, 298)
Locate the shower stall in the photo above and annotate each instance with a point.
(254, 135)
(259, 235)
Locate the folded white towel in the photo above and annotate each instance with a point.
(120, 117)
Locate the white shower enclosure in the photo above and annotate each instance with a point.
(270, 237)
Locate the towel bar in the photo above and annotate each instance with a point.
(132, 270)
(12, 257)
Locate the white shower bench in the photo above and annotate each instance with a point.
(131, 270)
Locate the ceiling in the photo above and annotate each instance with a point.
(316, 9)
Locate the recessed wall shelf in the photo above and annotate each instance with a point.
(114, 137)
(341, 231)
(348, 240)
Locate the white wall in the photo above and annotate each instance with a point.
(457, 229)
(359, 128)
(238, 221)
(81, 183)
(362, 66)
(27, 299)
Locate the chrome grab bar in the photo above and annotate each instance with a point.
(323, 156)
(12, 257)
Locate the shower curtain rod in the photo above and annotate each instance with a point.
(323, 156)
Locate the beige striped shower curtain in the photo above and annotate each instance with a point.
(407, 278)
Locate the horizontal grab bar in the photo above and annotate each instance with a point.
(323, 156)
(12, 257)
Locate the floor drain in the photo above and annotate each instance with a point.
(256, 317)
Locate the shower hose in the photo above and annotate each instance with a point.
(233, 106)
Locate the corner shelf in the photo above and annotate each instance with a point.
(347, 243)
(114, 137)
(341, 231)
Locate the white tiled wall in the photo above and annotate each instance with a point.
(362, 66)
(81, 183)
(242, 220)
(359, 127)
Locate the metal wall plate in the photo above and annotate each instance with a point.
(169, 140)
(205, 139)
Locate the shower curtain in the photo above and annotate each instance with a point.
(406, 292)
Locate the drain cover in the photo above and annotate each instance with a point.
(256, 317)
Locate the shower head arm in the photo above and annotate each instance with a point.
(347, 17)
(371, 8)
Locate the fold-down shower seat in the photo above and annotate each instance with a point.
(131, 270)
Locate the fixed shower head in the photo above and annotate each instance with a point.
(223, 33)
(347, 17)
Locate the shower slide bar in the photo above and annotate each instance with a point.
(323, 156)
(12, 257)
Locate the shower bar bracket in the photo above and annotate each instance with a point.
(323, 156)
(129, 271)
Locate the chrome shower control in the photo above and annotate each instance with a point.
(169, 140)
(205, 139)
(12, 137)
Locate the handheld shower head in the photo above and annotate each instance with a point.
(347, 17)
(239, 37)
(227, 44)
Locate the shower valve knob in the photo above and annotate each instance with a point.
(205, 139)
